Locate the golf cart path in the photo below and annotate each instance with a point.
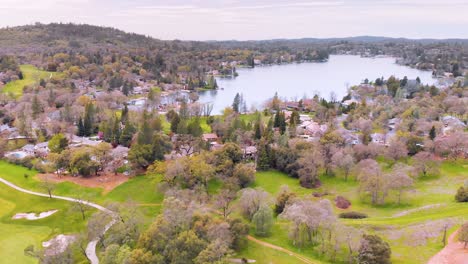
(278, 248)
(452, 253)
(91, 247)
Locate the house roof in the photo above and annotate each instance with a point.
(210, 136)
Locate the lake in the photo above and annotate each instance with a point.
(294, 81)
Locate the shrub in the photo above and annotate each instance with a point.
(352, 215)
(373, 250)
(462, 195)
(342, 202)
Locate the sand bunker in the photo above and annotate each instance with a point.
(34, 216)
(57, 244)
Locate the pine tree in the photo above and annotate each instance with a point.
(432, 133)
(263, 162)
(277, 120)
(258, 129)
(145, 134)
(175, 122)
(36, 106)
(88, 122)
(124, 115)
(282, 124)
(127, 135)
(116, 131)
(236, 103)
(81, 129)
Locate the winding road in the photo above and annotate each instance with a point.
(91, 247)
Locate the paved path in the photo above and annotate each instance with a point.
(452, 253)
(278, 248)
(91, 247)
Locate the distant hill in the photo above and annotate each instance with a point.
(83, 35)
(78, 36)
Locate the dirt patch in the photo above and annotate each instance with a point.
(452, 253)
(57, 244)
(34, 216)
(107, 182)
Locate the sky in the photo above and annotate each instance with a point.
(251, 19)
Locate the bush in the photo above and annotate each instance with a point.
(342, 202)
(373, 250)
(462, 195)
(352, 215)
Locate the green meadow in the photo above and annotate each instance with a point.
(31, 76)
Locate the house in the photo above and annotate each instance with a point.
(7, 130)
(41, 149)
(250, 152)
(350, 102)
(211, 137)
(313, 129)
(76, 142)
(452, 123)
(304, 118)
(378, 138)
(393, 123)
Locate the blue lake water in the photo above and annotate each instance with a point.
(294, 81)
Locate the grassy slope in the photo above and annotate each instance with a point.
(427, 192)
(18, 234)
(31, 76)
(143, 191)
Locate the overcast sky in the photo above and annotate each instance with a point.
(251, 19)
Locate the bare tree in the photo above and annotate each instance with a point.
(426, 164)
(224, 201)
(81, 206)
(343, 160)
(371, 179)
(207, 109)
(396, 150)
(399, 179)
(48, 186)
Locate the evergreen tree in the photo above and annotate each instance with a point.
(124, 115)
(175, 122)
(432, 133)
(263, 162)
(36, 106)
(116, 131)
(127, 135)
(161, 144)
(88, 122)
(236, 103)
(183, 111)
(258, 129)
(194, 128)
(145, 134)
(81, 129)
(282, 124)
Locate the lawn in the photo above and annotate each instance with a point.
(436, 193)
(18, 234)
(31, 76)
(264, 255)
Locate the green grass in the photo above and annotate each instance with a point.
(31, 76)
(436, 190)
(18, 234)
(265, 255)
